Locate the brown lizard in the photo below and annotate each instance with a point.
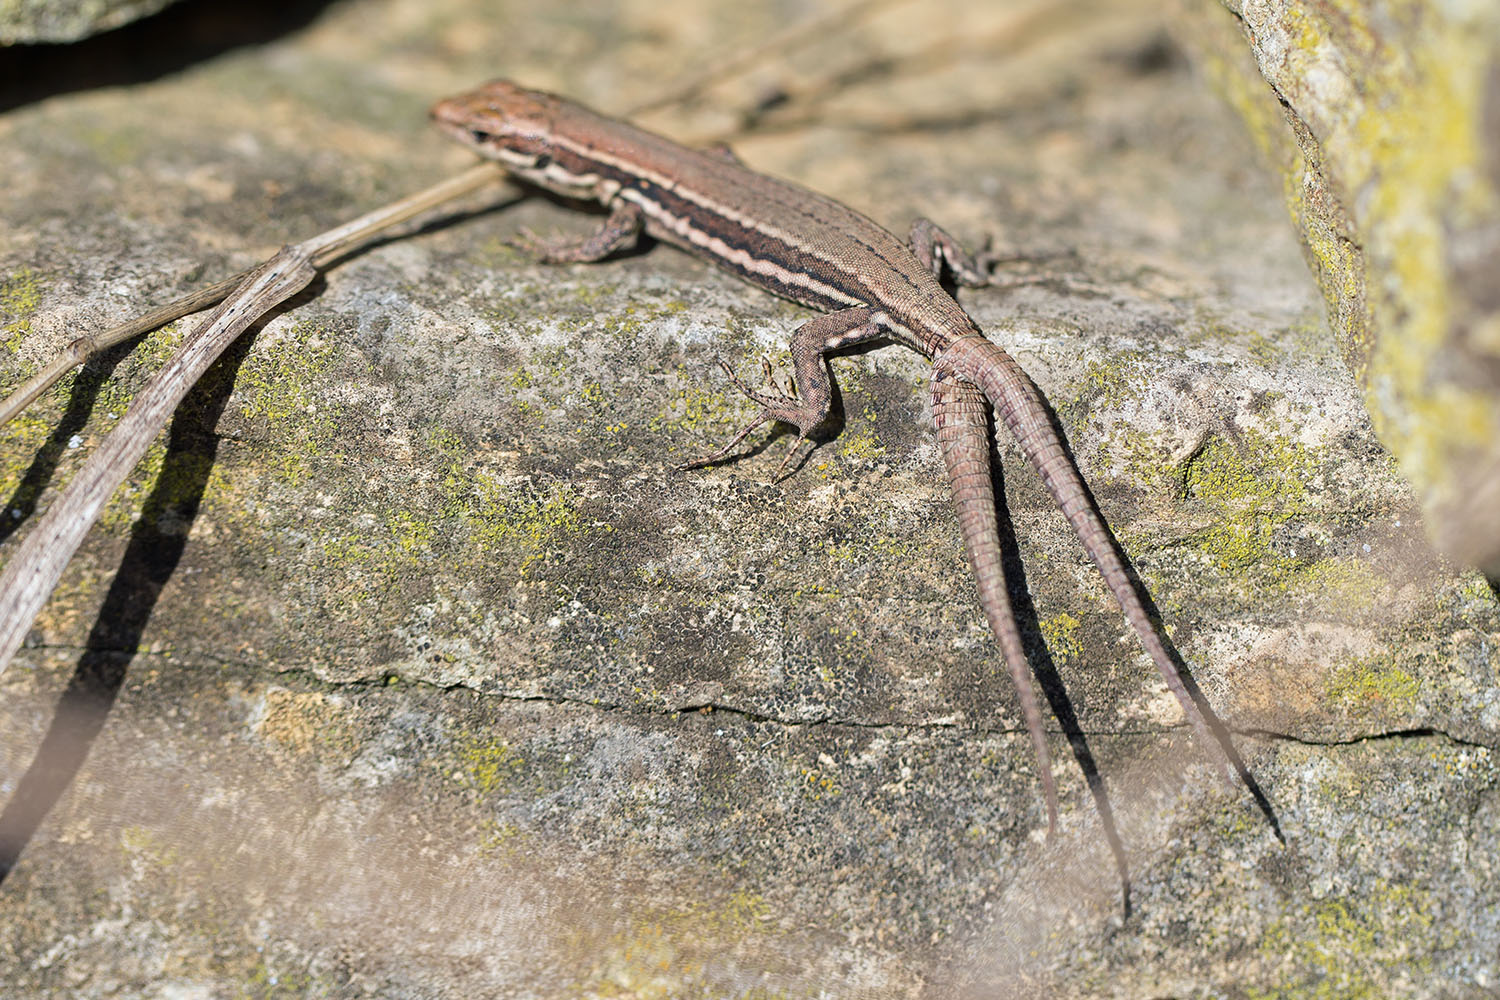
(867, 283)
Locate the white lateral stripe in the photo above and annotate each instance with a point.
(669, 184)
(684, 227)
(559, 174)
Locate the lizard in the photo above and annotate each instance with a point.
(866, 284)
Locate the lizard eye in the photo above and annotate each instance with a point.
(543, 161)
(477, 135)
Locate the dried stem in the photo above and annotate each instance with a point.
(333, 244)
(38, 563)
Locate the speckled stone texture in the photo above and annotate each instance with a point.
(407, 667)
(1383, 118)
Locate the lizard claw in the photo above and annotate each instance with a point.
(791, 453)
(774, 408)
(777, 399)
(719, 455)
(527, 241)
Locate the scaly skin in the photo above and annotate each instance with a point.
(808, 248)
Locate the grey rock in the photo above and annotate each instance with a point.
(457, 689)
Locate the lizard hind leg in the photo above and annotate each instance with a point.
(814, 385)
(959, 410)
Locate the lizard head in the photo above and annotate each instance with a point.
(501, 121)
(506, 122)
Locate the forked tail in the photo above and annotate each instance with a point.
(1018, 404)
(963, 432)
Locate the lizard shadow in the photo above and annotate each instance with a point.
(1022, 607)
(152, 553)
(1051, 683)
(831, 426)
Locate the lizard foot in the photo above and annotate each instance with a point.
(779, 405)
(547, 250)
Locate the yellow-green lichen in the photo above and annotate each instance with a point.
(1374, 684)
(851, 646)
(277, 390)
(1249, 489)
(124, 505)
(1115, 383)
(845, 553)
(1350, 948)
(669, 952)
(629, 323)
(20, 294)
(505, 841)
(1479, 589)
(697, 412)
(467, 519)
(264, 983)
(410, 531)
(1390, 116)
(144, 847)
(858, 443)
(19, 441)
(1120, 378)
(489, 765)
(817, 784)
(1061, 634)
(1349, 585)
(501, 521)
(275, 381)
(187, 470)
(147, 356)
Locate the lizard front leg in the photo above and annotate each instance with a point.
(944, 255)
(620, 231)
(960, 414)
(940, 252)
(814, 384)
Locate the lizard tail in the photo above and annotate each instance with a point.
(1019, 405)
(958, 411)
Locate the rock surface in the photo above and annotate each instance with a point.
(33, 21)
(407, 666)
(1383, 118)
